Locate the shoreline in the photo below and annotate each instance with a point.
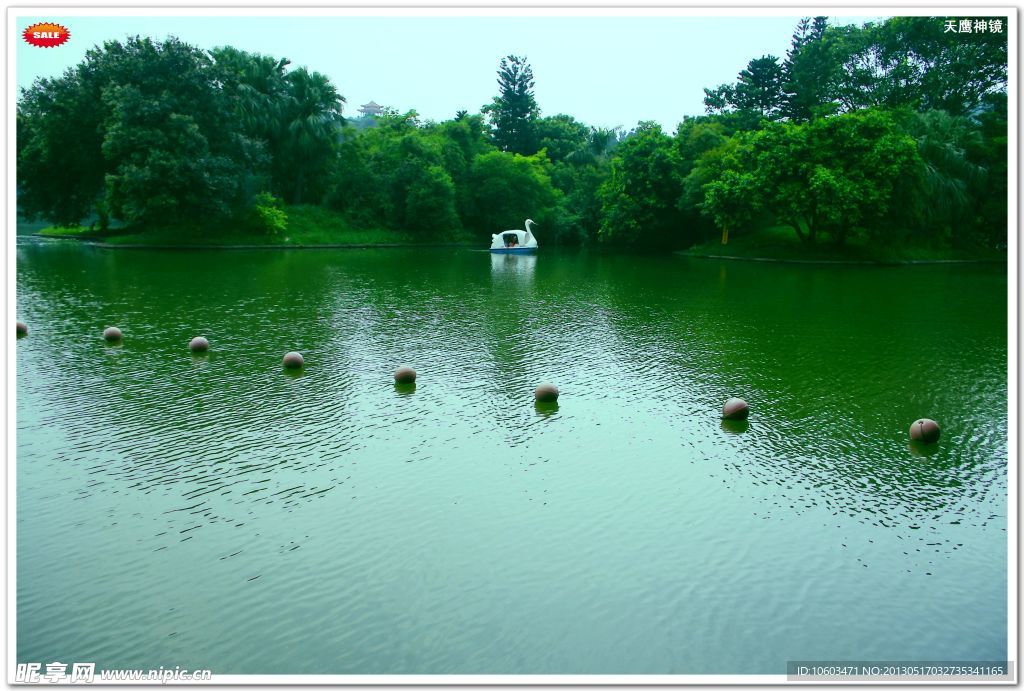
(192, 247)
(463, 245)
(846, 262)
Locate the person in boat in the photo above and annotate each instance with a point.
(514, 242)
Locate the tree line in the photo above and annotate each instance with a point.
(889, 132)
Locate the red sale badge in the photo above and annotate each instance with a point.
(46, 35)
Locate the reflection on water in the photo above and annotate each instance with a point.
(922, 450)
(735, 426)
(175, 510)
(405, 388)
(545, 408)
(517, 266)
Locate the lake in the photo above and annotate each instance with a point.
(219, 512)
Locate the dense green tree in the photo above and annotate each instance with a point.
(430, 202)
(733, 200)
(154, 140)
(811, 69)
(408, 176)
(602, 141)
(354, 188)
(60, 167)
(759, 87)
(993, 201)
(461, 141)
(310, 126)
(579, 156)
(162, 168)
(695, 139)
(505, 189)
(955, 76)
(947, 176)
(757, 90)
(578, 215)
(639, 197)
(399, 171)
(296, 115)
(267, 216)
(834, 175)
(514, 112)
(891, 131)
(962, 173)
(257, 88)
(913, 62)
(256, 91)
(563, 137)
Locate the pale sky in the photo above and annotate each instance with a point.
(605, 71)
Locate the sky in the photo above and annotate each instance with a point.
(604, 71)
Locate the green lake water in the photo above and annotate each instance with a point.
(217, 512)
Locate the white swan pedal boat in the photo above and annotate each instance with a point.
(515, 241)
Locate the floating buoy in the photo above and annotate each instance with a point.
(198, 345)
(925, 430)
(112, 333)
(546, 393)
(405, 375)
(293, 360)
(735, 409)
(21, 328)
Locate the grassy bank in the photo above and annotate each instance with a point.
(76, 232)
(781, 243)
(307, 226)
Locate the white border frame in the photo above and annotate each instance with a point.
(570, 8)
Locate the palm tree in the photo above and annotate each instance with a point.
(258, 86)
(602, 140)
(255, 86)
(311, 120)
(947, 175)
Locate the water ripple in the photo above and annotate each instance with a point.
(215, 506)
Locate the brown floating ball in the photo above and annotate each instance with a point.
(293, 360)
(198, 345)
(735, 409)
(21, 328)
(546, 393)
(112, 333)
(925, 430)
(405, 375)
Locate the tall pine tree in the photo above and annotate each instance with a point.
(758, 90)
(513, 112)
(808, 73)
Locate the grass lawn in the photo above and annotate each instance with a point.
(780, 242)
(69, 232)
(307, 225)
